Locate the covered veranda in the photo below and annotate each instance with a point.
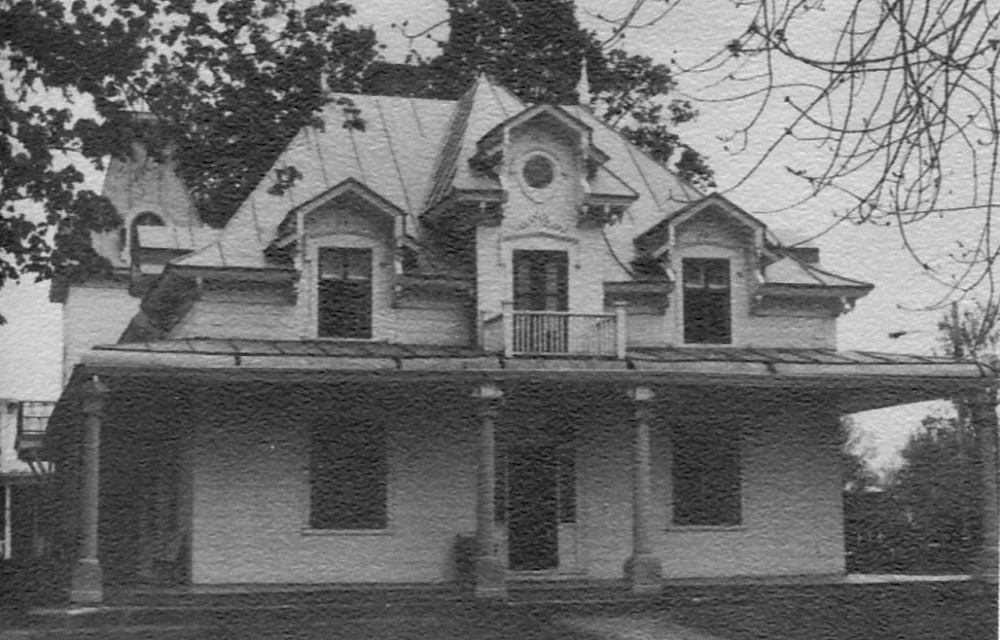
(646, 380)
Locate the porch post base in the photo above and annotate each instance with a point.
(490, 578)
(88, 582)
(643, 574)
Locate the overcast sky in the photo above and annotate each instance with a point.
(30, 345)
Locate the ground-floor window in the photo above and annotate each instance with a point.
(348, 475)
(706, 475)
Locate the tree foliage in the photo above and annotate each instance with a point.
(856, 472)
(536, 49)
(939, 485)
(893, 104)
(227, 83)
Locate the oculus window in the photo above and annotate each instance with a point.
(538, 172)
(345, 293)
(706, 475)
(707, 311)
(348, 475)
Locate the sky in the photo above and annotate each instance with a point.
(30, 344)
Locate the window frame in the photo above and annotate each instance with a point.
(331, 421)
(706, 289)
(715, 432)
(317, 284)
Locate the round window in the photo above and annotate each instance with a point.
(538, 172)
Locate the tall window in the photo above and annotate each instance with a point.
(707, 312)
(540, 281)
(541, 284)
(706, 475)
(348, 475)
(345, 293)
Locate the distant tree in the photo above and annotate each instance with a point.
(227, 82)
(536, 49)
(939, 481)
(938, 485)
(857, 473)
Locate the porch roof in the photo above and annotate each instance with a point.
(864, 380)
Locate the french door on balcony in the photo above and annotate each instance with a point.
(541, 284)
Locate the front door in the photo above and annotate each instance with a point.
(533, 508)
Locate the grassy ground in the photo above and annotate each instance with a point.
(909, 612)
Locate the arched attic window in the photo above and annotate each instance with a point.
(144, 219)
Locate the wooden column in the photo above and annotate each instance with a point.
(88, 582)
(490, 569)
(984, 414)
(642, 569)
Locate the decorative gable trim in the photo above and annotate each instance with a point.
(291, 226)
(660, 239)
(494, 140)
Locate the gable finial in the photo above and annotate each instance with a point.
(583, 87)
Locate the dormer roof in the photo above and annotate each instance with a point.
(656, 240)
(554, 113)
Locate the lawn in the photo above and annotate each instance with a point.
(931, 611)
(859, 612)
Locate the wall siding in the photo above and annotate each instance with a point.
(251, 497)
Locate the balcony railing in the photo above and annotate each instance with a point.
(555, 333)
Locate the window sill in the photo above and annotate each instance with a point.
(705, 528)
(347, 532)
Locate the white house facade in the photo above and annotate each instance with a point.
(477, 341)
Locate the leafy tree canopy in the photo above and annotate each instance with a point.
(227, 82)
(536, 49)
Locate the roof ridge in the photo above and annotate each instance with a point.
(448, 156)
(641, 151)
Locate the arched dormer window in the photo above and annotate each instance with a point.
(131, 241)
(147, 219)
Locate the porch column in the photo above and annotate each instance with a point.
(642, 569)
(984, 414)
(490, 570)
(87, 582)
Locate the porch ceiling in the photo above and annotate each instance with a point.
(862, 380)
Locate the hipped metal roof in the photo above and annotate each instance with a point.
(865, 380)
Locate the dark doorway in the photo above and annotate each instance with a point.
(533, 508)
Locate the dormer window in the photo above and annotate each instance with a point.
(707, 310)
(345, 293)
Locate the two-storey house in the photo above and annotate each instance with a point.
(471, 320)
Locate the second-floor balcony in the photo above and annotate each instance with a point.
(551, 333)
